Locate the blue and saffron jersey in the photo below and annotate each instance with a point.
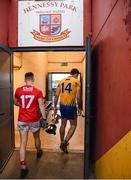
(68, 90)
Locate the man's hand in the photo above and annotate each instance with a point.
(16, 101)
(55, 110)
(43, 123)
(79, 111)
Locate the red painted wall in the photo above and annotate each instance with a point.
(13, 24)
(4, 10)
(112, 52)
(9, 22)
(87, 18)
(100, 12)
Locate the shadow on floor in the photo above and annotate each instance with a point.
(52, 165)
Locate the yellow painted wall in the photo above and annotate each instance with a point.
(56, 67)
(116, 163)
(74, 60)
(66, 56)
(35, 62)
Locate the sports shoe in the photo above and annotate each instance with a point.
(63, 147)
(24, 172)
(39, 154)
(67, 143)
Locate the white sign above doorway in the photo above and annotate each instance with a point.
(50, 23)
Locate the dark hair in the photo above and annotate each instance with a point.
(29, 76)
(74, 71)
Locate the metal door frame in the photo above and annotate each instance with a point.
(8, 50)
(88, 166)
(87, 49)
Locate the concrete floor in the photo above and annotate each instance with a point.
(52, 165)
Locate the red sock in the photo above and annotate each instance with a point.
(23, 164)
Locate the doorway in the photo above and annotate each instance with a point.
(87, 163)
(49, 65)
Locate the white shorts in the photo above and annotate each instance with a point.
(26, 126)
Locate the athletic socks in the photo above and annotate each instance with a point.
(23, 164)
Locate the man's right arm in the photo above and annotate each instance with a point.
(16, 101)
(57, 94)
(42, 107)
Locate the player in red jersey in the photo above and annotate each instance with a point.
(30, 101)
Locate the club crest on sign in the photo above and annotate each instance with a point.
(50, 24)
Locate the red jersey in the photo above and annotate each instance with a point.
(28, 97)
